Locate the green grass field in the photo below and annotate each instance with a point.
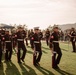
(67, 65)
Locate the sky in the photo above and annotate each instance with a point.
(40, 13)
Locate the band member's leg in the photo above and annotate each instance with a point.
(54, 60)
(47, 41)
(14, 45)
(24, 52)
(73, 45)
(6, 55)
(18, 56)
(39, 56)
(34, 58)
(10, 53)
(59, 56)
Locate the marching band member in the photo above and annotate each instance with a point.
(37, 47)
(54, 46)
(21, 45)
(73, 38)
(8, 46)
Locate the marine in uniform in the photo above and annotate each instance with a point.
(8, 46)
(14, 42)
(20, 45)
(47, 35)
(40, 35)
(30, 37)
(73, 38)
(37, 47)
(24, 34)
(54, 46)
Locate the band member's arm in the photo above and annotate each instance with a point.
(70, 35)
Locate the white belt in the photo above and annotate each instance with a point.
(20, 39)
(7, 41)
(54, 52)
(36, 42)
(2, 35)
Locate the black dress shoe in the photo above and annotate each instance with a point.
(38, 64)
(22, 60)
(10, 60)
(73, 51)
(56, 67)
(35, 65)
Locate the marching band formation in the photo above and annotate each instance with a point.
(9, 42)
(15, 42)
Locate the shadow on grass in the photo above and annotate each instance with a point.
(45, 48)
(11, 69)
(44, 71)
(65, 50)
(31, 71)
(63, 72)
(30, 52)
(1, 69)
(25, 72)
(28, 46)
(44, 51)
